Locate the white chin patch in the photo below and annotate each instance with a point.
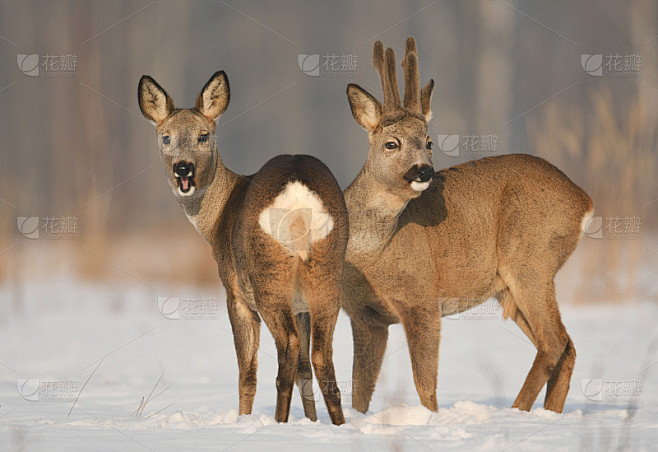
(190, 192)
(419, 186)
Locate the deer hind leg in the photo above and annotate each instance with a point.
(246, 331)
(423, 330)
(536, 312)
(557, 386)
(369, 347)
(304, 378)
(273, 292)
(324, 292)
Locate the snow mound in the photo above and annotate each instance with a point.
(460, 413)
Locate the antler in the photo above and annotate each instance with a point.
(411, 77)
(385, 65)
(415, 100)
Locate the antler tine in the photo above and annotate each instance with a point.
(378, 57)
(392, 101)
(411, 77)
(410, 46)
(378, 62)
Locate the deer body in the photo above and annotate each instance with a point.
(497, 227)
(278, 238)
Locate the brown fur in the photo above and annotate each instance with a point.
(496, 227)
(260, 275)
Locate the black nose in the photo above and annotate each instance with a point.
(183, 168)
(422, 173)
(425, 173)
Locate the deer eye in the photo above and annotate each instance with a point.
(391, 145)
(166, 139)
(203, 137)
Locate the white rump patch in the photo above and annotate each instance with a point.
(296, 219)
(587, 228)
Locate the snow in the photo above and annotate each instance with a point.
(113, 338)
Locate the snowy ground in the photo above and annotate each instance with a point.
(68, 331)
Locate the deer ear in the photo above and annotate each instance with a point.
(154, 101)
(426, 100)
(366, 109)
(214, 97)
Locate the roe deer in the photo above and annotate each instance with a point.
(426, 244)
(279, 239)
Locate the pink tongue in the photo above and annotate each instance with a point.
(185, 182)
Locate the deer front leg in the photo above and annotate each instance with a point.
(423, 330)
(369, 347)
(245, 324)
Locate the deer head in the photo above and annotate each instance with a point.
(400, 155)
(186, 136)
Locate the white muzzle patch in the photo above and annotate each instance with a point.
(419, 186)
(190, 192)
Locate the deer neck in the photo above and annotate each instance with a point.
(205, 207)
(374, 213)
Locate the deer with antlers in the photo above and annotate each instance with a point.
(279, 239)
(426, 244)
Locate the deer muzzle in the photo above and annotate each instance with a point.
(419, 177)
(184, 175)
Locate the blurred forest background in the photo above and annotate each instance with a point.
(508, 73)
